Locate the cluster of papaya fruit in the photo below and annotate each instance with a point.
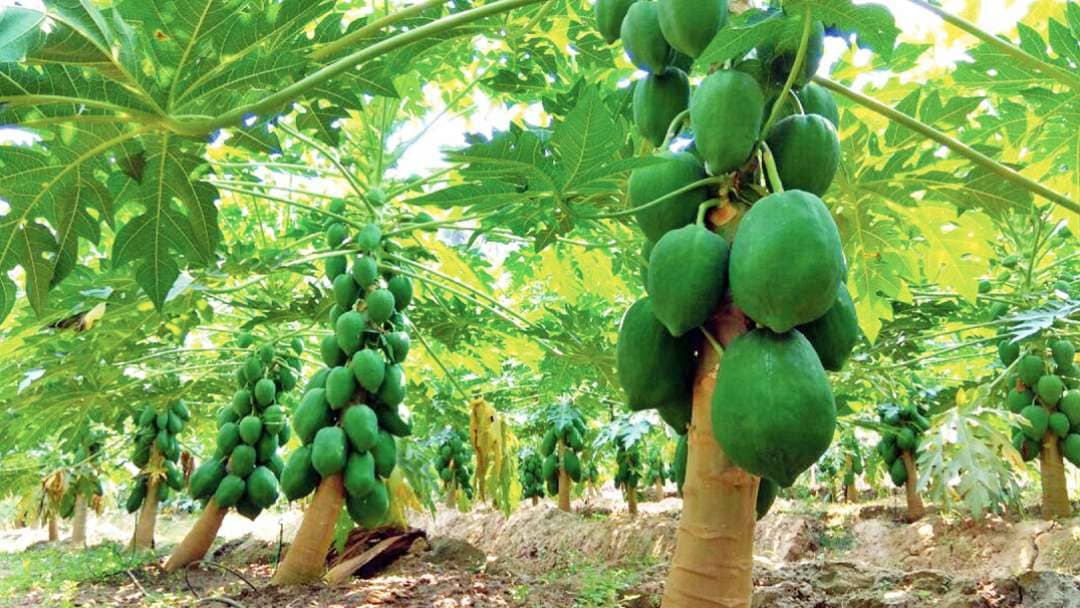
(656, 472)
(560, 447)
(844, 459)
(627, 467)
(245, 471)
(452, 463)
(155, 434)
(780, 262)
(1045, 392)
(531, 473)
(903, 425)
(348, 417)
(85, 479)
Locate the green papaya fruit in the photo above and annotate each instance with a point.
(334, 266)
(1063, 352)
(654, 368)
(1070, 448)
(161, 421)
(265, 448)
(345, 291)
(359, 474)
(1010, 261)
(652, 182)
(245, 339)
(888, 449)
(1008, 351)
(690, 25)
(241, 402)
(368, 238)
(312, 414)
(136, 496)
(1037, 422)
(205, 479)
(370, 510)
(140, 456)
(228, 437)
(1050, 388)
(726, 113)
(276, 466)
(328, 451)
(173, 477)
(643, 41)
(1058, 423)
(677, 416)
(385, 454)
(786, 263)
(1070, 406)
(397, 346)
(227, 415)
(147, 417)
(273, 419)
(816, 99)
(391, 420)
(898, 472)
(380, 305)
(401, 288)
(998, 310)
(766, 496)
(361, 427)
(550, 467)
(687, 277)
(547, 444)
(332, 354)
(369, 369)
(349, 331)
(1030, 368)
(834, 334)
(262, 487)
(773, 410)
(807, 152)
(253, 369)
(658, 99)
(229, 491)
(778, 54)
(174, 424)
(336, 234)
(242, 461)
(572, 465)
(340, 387)
(299, 478)
(250, 429)
(905, 440)
(682, 451)
(392, 390)
(364, 271)
(609, 17)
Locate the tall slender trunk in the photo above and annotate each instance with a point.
(849, 493)
(1055, 493)
(198, 539)
(631, 500)
(305, 560)
(564, 481)
(451, 494)
(849, 488)
(78, 522)
(54, 529)
(659, 486)
(915, 508)
(713, 560)
(144, 526)
(535, 500)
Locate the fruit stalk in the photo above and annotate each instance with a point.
(198, 540)
(305, 560)
(1054, 490)
(713, 559)
(144, 527)
(78, 522)
(564, 481)
(915, 507)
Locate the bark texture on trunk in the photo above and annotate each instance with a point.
(199, 538)
(144, 526)
(1055, 493)
(631, 500)
(54, 529)
(915, 508)
(713, 559)
(78, 521)
(305, 561)
(535, 500)
(564, 482)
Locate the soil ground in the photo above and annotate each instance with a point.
(844, 556)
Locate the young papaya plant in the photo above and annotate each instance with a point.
(452, 464)
(83, 488)
(245, 472)
(531, 475)
(656, 472)
(901, 429)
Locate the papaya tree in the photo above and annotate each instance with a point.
(902, 427)
(843, 461)
(452, 465)
(1044, 395)
(531, 475)
(245, 471)
(348, 418)
(561, 446)
(656, 472)
(628, 473)
(155, 452)
(78, 485)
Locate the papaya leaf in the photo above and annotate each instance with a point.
(872, 24)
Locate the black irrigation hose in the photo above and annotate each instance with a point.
(187, 572)
(221, 600)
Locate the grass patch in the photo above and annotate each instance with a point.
(596, 584)
(58, 569)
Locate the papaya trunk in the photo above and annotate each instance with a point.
(849, 493)
(144, 525)
(451, 495)
(1055, 495)
(631, 500)
(535, 500)
(198, 539)
(564, 482)
(78, 522)
(54, 529)
(713, 559)
(305, 560)
(659, 490)
(915, 508)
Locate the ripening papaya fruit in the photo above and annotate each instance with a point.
(786, 263)
(690, 25)
(652, 182)
(773, 410)
(654, 368)
(609, 17)
(807, 152)
(834, 334)
(726, 112)
(658, 99)
(642, 39)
